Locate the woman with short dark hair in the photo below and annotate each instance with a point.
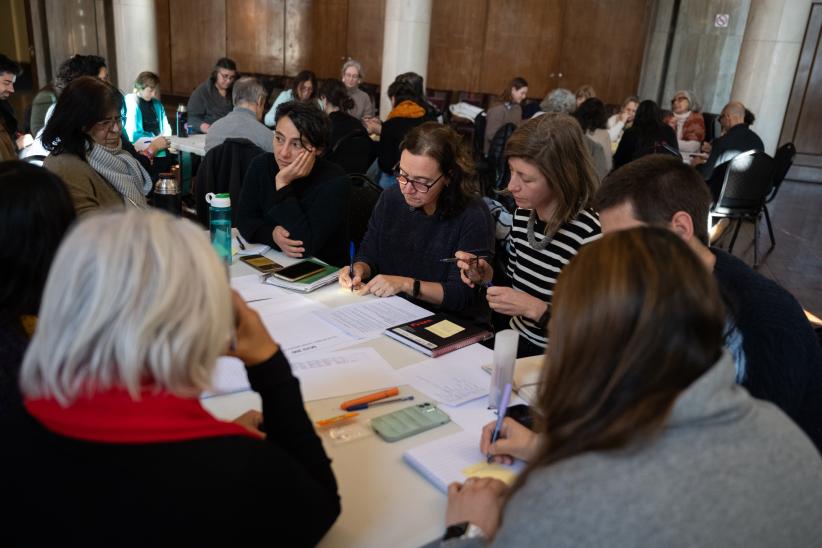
(35, 213)
(84, 138)
(295, 200)
(432, 211)
(350, 148)
(593, 119)
(303, 88)
(642, 436)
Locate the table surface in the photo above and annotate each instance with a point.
(384, 501)
(195, 144)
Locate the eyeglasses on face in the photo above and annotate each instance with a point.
(109, 124)
(419, 186)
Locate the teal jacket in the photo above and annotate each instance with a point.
(134, 119)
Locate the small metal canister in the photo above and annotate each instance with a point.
(167, 194)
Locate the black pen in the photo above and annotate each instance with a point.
(239, 241)
(454, 259)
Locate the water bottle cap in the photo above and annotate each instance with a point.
(219, 200)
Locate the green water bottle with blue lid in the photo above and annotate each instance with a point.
(219, 214)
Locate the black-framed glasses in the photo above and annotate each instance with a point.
(109, 124)
(419, 186)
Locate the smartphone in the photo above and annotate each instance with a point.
(298, 271)
(263, 264)
(409, 421)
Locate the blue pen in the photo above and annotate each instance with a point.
(501, 409)
(351, 264)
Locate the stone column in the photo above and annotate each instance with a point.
(767, 63)
(405, 43)
(135, 40)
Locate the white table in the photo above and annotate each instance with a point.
(194, 144)
(384, 501)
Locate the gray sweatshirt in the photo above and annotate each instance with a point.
(727, 470)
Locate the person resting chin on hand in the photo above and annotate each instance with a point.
(293, 199)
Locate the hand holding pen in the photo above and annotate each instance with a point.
(514, 441)
(474, 268)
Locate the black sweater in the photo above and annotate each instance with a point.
(313, 209)
(637, 142)
(219, 491)
(783, 359)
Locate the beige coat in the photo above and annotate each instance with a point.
(89, 190)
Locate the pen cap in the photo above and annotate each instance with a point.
(505, 355)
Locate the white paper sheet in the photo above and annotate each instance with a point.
(453, 379)
(229, 376)
(251, 288)
(472, 416)
(299, 334)
(328, 375)
(368, 319)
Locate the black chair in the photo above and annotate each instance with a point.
(364, 196)
(223, 170)
(783, 160)
(748, 180)
(354, 151)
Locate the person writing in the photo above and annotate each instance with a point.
(293, 199)
(433, 211)
(552, 181)
(114, 431)
(642, 437)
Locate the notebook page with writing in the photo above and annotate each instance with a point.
(456, 458)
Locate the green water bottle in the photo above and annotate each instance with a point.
(219, 213)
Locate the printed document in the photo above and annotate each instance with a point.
(368, 320)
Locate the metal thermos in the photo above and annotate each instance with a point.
(182, 121)
(167, 194)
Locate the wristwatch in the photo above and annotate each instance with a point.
(543, 320)
(416, 291)
(463, 530)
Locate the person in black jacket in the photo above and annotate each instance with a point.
(350, 147)
(648, 135)
(116, 448)
(294, 200)
(777, 355)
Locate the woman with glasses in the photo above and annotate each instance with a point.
(294, 199)
(690, 125)
(84, 138)
(553, 182)
(352, 75)
(304, 88)
(432, 211)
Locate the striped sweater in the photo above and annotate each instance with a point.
(535, 272)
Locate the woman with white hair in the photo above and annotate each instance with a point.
(690, 125)
(352, 75)
(116, 447)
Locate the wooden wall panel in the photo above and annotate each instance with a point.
(327, 35)
(366, 20)
(198, 39)
(297, 35)
(522, 38)
(254, 35)
(455, 50)
(602, 45)
(162, 18)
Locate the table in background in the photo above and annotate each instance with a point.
(186, 146)
(384, 501)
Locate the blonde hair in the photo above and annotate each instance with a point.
(130, 296)
(554, 143)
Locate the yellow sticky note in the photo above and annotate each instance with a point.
(484, 470)
(445, 329)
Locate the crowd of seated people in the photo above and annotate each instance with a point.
(605, 269)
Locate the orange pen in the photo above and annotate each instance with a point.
(335, 420)
(370, 397)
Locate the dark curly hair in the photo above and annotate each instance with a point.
(76, 66)
(335, 93)
(591, 114)
(84, 102)
(444, 145)
(313, 124)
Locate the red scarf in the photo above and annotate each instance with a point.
(113, 417)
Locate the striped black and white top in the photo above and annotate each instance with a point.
(535, 272)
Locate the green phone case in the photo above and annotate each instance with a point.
(409, 421)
